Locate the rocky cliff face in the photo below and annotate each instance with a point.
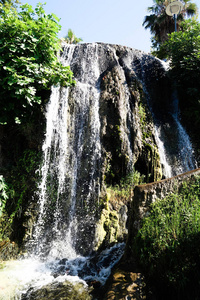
(110, 127)
(129, 83)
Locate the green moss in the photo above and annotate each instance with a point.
(154, 170)
(2, 265)
(18, 190)
(107, 227)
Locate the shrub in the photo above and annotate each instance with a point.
(167, 245)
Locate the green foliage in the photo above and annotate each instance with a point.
(160, 24)
(28, 60)
(132, 179)
(6, 192)
(9, 4)
(125, 187)
(23, 181)
(167, 244)
(70, 38)
(3, 194)
(183, 50)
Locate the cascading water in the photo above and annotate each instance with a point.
(56, 150)
(65, 149)
(75, 153)
(175, 149)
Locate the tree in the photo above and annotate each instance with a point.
(8, 4)
(160, 24)
(28, 60)
(70, 38)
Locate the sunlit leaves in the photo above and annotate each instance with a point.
(28, 58)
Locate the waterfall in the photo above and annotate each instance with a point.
(167, 169)
(71, 172)
(176, 151)
(56, 149)
(88, 126)
(174, 145)
(71, 139)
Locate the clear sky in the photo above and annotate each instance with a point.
(108, 21)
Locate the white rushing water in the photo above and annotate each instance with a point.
(64, 148)
(167, 170)
(175, 148)
(72, 138)
(174, 145)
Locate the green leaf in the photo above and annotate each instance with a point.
(28, 59)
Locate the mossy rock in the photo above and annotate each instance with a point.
(59, 291)
(8, 250)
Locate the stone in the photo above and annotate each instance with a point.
(8, 250)
(59, 291)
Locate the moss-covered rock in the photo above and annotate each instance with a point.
(8, 250)
(112, 224)
(59, 291)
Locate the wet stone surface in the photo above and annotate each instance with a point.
(57, 291)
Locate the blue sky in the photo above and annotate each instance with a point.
(108, 21)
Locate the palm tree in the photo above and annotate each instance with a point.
(160, 24)
(70, 38)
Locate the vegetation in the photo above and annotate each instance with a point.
(12, 4)
(3, 194)
(29, 49)
(160, 24)
(29, 63)
(183, 51)
(167, 244)
(17, 192)
(124, 189)
(70, 38)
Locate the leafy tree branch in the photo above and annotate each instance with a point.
(28, 60)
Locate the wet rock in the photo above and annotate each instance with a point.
(59, 291)
(123, 284)
(94, 283)
(8, 250)
(63, 261)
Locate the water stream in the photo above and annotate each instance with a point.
(174, 145)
